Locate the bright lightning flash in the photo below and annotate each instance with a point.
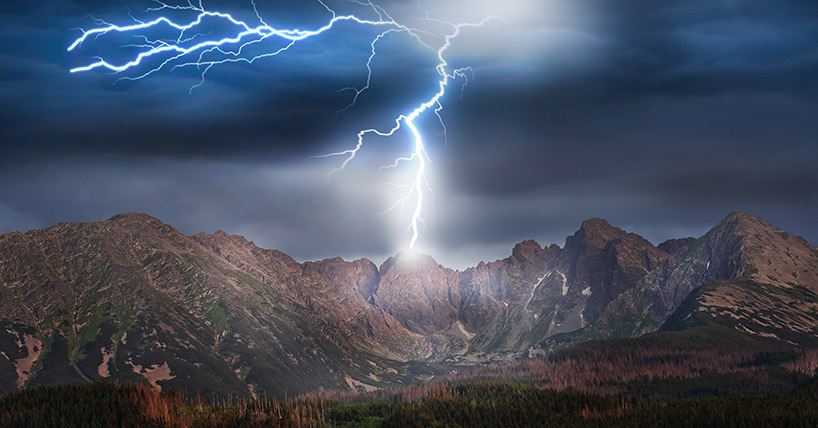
(203, 53)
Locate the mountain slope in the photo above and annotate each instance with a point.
(133, 299)
(744, 268)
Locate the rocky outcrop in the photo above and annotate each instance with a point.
(673, 246)
(419, 292)
(601, 262)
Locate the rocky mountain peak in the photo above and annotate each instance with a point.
(741, 249)
(134, 222)
(742, 222)
(740, 225)
(409, 261)
(133, 216)
(221, 234)
(673, 246)
(742, 216)
(360, 275)
(596, 223)
(766, 253)
(596, 233)
(414, 288)
(528, 250)
(751, 224)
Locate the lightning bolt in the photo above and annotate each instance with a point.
(203, 53)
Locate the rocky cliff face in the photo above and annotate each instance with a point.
(499, 309)
(602, 262)
(419, 292)
(133, 299)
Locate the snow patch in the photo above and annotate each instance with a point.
(586, 291)
(537, 284)
(463, 330)
(564, 282)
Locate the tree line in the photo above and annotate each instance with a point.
(471, 404)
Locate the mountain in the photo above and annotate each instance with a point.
(132, 299)
(743, 269)
(512, 304)
(767, 286)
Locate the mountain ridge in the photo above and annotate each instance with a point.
(131, 298)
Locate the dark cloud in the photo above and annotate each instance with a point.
(660, 116)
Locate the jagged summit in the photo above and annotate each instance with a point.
(742, 216)
(409, 260)
(596, 223)
(675, 245)
(597, 232)
(527, 250)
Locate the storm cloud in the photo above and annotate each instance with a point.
(660, 116)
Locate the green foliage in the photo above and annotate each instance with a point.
(94, 405)
(362, 415)
(497, 405)
(473, 405)
(493, 404)
(799, 292)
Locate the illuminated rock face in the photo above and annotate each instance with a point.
(132, 299)
(419, 292)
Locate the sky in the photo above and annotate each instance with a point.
(661, 117)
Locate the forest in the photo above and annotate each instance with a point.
(470, 404)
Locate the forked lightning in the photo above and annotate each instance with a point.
(196, 49)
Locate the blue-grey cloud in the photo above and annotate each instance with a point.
(660, 116)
